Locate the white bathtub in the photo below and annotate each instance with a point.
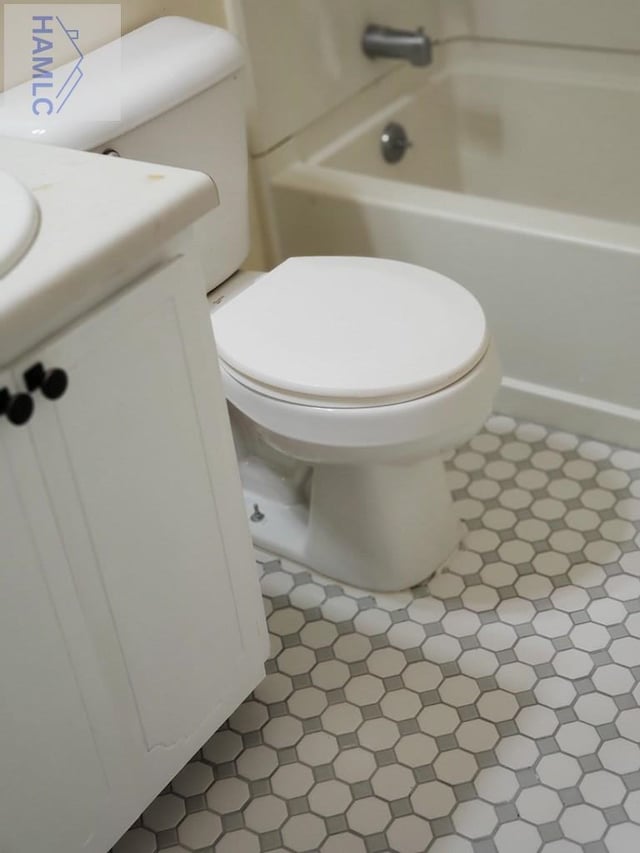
(523, 184)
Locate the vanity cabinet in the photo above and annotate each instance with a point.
(131, 623)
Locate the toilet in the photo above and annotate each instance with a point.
(347, 378)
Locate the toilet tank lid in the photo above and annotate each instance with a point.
(163, 64)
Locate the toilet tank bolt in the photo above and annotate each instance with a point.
(257, 515)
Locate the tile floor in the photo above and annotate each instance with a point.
(496, 709)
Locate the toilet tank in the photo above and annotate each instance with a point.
(182, 105)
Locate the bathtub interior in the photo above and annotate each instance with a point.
(559, 140)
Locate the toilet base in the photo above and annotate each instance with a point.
(379, 527)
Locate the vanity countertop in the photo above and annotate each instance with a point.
(100, 220)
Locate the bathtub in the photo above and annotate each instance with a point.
(523, 184)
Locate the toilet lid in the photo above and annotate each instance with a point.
(18, 221)
(341, 331)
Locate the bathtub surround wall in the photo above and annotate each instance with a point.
(614, 25)
(318, 63)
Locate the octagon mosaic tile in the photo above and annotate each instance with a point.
(491, 710)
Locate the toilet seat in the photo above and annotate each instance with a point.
(19, 218)
(348, 332)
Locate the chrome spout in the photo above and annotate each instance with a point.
(412, 45)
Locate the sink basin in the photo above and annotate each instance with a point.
(19, 219)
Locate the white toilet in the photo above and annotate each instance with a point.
(347, 378)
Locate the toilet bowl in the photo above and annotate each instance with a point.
(348, 378)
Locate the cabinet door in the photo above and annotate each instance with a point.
(54, 787)
(138, 459)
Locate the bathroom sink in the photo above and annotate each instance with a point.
(19, 218)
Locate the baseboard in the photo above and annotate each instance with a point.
(574, 413)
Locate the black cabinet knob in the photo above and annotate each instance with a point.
(18, 408)
(53, 383)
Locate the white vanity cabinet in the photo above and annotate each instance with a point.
(131, 623)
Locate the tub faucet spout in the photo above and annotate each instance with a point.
(412, 45)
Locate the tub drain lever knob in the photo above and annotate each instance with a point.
(394, 142)
(257, 515)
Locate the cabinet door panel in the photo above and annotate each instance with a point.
(54, 789)
(129, 432)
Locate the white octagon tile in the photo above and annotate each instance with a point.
(422, 676)
(378, 734)
(519, 836)
(474, 819)
(577, 739)
(319, 634)
(410, 834)
(386, 662)
(626, 651)
(303, 832)
(400, 705)
(317, 748)
(572, 664)
(583, 824)
(264, 814)
(477, 735)
(534, 650)
(282, 732)
(623, 838)
(393, 782)
(257, 762)
(539, 805)
(276, 687)
(613, 679)
(498, 574)
(354, 765)
(352, 647)
(628, 724)
(369, 815)
(590, 637)
(459, 690)
(555, 692)
(632, 806)
(341, 718)
(330, 798)
(496, 784)
(416, 750)
(497, 706)
(224, 746)
(228, 795)
(291, 780)
(306, 703)
(364, 690)
(330, 674)
(478, 663)
(596, 709)
(497, 637)
(516, 677)
(438, 720)
(602, 789)
(199, 830)
(552, 623)
(433, 800)
(620, 756)
(517, 752)
(558, 771)
(537, 721)
(455, 766)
